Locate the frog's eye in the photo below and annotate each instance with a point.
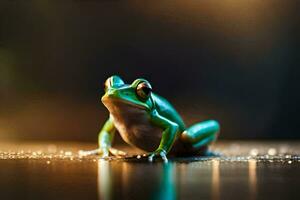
(143, 90)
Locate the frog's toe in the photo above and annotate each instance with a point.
(89, 153)
(212, 153)
(150, 157)
(164, 158)
(103, 152)
(117, 152)
(161, 154)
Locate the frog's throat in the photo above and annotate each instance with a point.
(107, 101)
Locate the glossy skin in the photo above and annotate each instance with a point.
(149, 122)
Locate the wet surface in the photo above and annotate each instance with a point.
(246, 170)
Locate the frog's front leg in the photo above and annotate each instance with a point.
(169, 135)
(105, 139)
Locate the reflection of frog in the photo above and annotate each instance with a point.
(161, 181)
(149, 122)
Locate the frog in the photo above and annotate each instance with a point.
(149, 122)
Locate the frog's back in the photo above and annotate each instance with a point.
(166, 110)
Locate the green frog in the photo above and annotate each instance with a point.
(149, 122)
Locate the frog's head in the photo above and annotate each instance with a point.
(136, 94)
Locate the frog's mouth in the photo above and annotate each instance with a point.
(119, 103)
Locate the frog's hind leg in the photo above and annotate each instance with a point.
(200, 135)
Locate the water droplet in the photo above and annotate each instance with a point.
(253, 152)
(272, 151)
(68, 153)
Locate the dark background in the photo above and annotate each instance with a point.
(231, 60)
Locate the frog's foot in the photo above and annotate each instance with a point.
(117, 152)
(89, 153)
(103, 152)
(158, 153)
(210, 153)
